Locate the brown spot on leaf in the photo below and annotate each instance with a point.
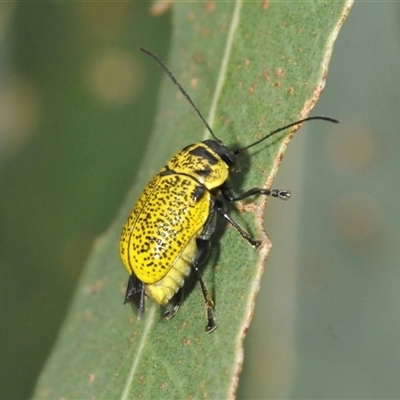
(194, 82)
(252, 88)
(209, 6)
(160, 7)
(205, 32)
(199, 59)
(279, 72)
(95, 287)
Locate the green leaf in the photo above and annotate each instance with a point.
(251, 67)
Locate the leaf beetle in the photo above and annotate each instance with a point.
(168, 231)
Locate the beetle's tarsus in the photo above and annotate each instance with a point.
(211, 327)
(256, 243)
(281, 194)
(168, 314)
(171, 312)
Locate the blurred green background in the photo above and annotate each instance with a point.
(76, 109)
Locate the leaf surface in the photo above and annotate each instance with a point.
(250, 67)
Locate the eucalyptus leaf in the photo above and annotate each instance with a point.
(250, 67)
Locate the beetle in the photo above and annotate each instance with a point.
(168, 231)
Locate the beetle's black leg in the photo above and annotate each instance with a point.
(173, 310)
(203, 247)
(282, 194)
(219, 207)
(135, 295)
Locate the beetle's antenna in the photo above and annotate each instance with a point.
(238, 151)
(173, 79)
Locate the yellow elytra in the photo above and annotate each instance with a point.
(167, 234)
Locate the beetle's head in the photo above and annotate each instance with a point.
(227, 155)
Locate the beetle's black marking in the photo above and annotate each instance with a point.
(167, 172)
(225, 153)
(203, 153)
(187, 147)
(199, 193)
(203, 172)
